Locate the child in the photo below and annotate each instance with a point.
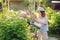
(43, 22)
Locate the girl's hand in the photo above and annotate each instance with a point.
(37, 21)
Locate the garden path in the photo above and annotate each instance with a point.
(52, 38)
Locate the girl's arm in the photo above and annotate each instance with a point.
(46, 22)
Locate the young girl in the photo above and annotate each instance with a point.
(43, 23)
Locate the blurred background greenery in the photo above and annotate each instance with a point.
(12, 25)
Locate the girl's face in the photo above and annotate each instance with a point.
(42, 13)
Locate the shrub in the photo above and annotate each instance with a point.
(54, 21)
(14, 29)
